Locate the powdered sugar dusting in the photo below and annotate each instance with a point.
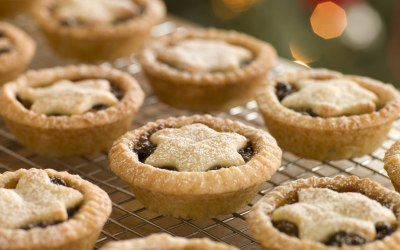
(321, 212)
(196, 148)
(35, 199)
(95, 12)
(333, 97)
(68, 98)
(200, 55)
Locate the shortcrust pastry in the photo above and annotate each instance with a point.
(321, 213)
(166, 242)
(75, 110)
(95, 30)
(217, 166)
(392, 164)
(16, 51)
(49, 210)
(324, 115)
(206, 69)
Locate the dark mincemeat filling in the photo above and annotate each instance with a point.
(145, 148)
(71, 211)
(115, 90)
(337, 239)
(284, 89)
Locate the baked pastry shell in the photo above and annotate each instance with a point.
(98, 43)
(79, 232)
(207, 91)
(195, 194)
(259, 218)
(329, 138)
(13, 63)
(392, 164)
(83, 134)
(166, 241)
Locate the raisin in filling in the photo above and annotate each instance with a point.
(71, 211)
(286, 227)
(283, 89)
(58, 181)
(337, 239)
(344, 238)
(145, 148)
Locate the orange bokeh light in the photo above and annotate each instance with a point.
(328, 20)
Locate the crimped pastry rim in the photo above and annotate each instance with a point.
(392, 163)
(260, 225)
(23, 50)
(265, 58)
(154, 13)
(13, 110)
(91, 216)
(167, 241)
(270, 106)
(267, 158)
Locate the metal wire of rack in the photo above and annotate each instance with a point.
(129, 219)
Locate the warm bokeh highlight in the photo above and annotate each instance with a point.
(328, 20)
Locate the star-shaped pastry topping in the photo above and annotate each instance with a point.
(321, 212)
(95, 12)
(196, 148)
(68, 98)
(330, 98)
(199, 55)
(34, 200)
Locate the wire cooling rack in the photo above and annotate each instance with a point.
(129, 219)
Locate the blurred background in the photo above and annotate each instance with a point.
(352, 36)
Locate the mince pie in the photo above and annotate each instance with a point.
(16, 51)
(95, 30)
(321, 213)
(166, 242)
(195, 167)
(75, 110)
(324, 115)
(392, 164)
(206, 69)
(49, 210)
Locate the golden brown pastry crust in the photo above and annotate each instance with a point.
(329, 138)
(99, 42)
(70, 135)
(392, 164)
(195, 194)
(15, 62)
(166, 242)
(79, 232)
(270, 238)
(207, 91)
